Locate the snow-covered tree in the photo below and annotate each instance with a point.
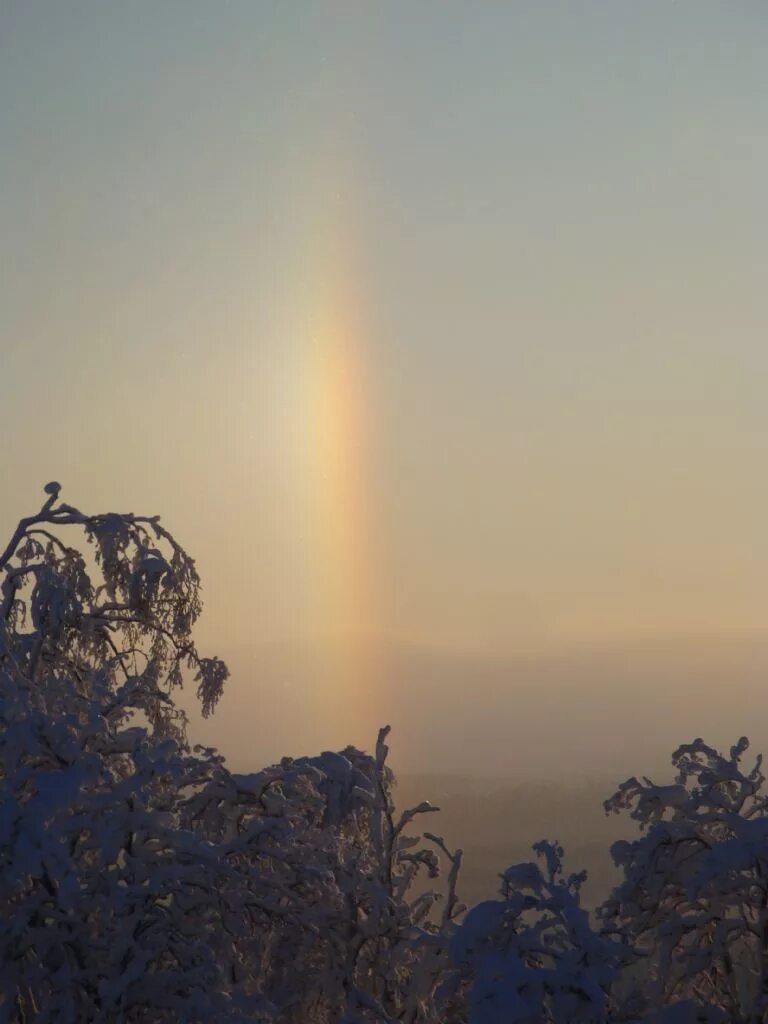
(694, 898)
(108, 906)
(143, 881)
(109, 909)
(322, 894)
(122, 611)
(532, 956)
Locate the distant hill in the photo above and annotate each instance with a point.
(579, 714)
(496, 826)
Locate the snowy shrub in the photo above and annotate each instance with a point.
(694, 899)
(532, 956)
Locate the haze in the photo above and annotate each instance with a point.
(435, 332)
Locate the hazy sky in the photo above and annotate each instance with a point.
(433, 327)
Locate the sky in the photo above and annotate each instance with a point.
(435, 332)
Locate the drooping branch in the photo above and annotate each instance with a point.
(148, 598)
